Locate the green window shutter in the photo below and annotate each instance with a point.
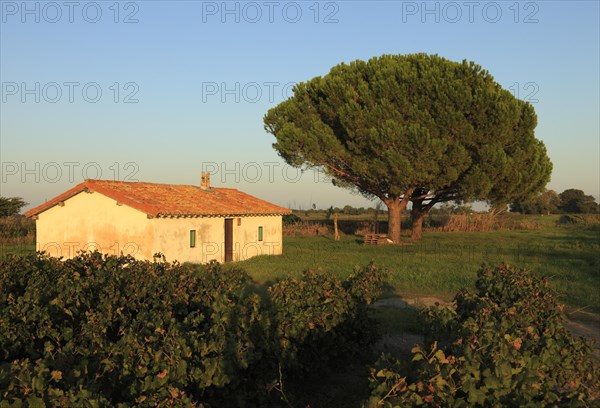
(260, 233)
(192, 238)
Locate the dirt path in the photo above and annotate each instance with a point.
(404, 342)
(587, 329)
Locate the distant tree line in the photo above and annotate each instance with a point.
(572, 201)
(346, 210)
(449, 209)
(349, 210)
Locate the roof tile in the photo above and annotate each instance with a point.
(171, 199)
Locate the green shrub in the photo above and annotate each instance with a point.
(321, 319)
(365, 285)
(504, 345)
(113, 331)
(588, 220)
(116, 331)
(290, 219)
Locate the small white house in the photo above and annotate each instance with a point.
(185, 223)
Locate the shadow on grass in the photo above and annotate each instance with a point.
(346, 384)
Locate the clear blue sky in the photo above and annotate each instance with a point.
(186, 63)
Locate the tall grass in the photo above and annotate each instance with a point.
(306, 228)
(324, 227)
(478, 222)
(475, 222)
(17, 231)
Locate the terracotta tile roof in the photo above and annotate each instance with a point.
(171, 199)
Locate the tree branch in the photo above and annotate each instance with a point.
(437, 193)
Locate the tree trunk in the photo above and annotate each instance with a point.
(396, 206)
(394, 219)
(417, 223)
(395, 209)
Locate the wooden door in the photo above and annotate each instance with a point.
(228, 239)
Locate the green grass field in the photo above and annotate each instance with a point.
(21, 249)
(444, 262)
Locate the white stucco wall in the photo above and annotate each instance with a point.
(172, 238)
(91, 221)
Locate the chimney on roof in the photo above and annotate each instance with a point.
(205, 180)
